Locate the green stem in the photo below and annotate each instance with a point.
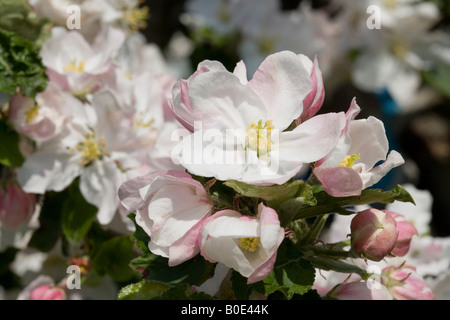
(329, 253)
(314, 230)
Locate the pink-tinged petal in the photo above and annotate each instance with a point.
(187, 246)
(181, 105)
(339, 181)
(313, 139)
(315, 98)
(263, 270)
(360, 291)
(270, 227)
(58, 78)
(220, 101)
(240, 71)
(129, 191)
(282, 83)
(369, 139)
(393, 160)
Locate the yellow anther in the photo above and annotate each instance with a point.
(250, 244)
(390, 4)
(349, 160)
(136, 18)
(223, 14)
(91, 149)
(399, 49)
(259, 137)
(31, 114)
(72, 66)
(266, 45)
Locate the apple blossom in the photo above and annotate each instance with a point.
(244, 123)
(359, 290)
(404, 283)
(16, 206)
(373, 234)
(244, 243)
(406, 231)
(99, 145)
(351, 166)
(77, 66)
(171, 207)
(43, 118)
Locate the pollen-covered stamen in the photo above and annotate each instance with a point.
(259, 137)
(136, 18)
(74, 67)
(139, 122)
(250, 244)
(91, 149)
(32, 114)
(390, 4)
(349, 160)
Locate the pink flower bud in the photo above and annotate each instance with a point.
(16, 206)
(404, 283)
(360, 291)
(48, 292)
(373, 234)
(406, 230)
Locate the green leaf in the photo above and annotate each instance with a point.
(46, 236)
(291, 274)
(20, 66)
(295, 277)
(276, 193)
(143, 290)
(113, 259)
(194, 271)
(10, 154)
(439, 79)
(328, 204)
(140, 237)
(77, 215)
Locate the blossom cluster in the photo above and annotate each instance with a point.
(218, 179)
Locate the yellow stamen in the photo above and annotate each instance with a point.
(223, 14)
(390, 4)
(136, 18)
(399, 49)
(259, 137)
(349, 160)
(72, 66)
(266, 45)
(31, 114)
(251, 244)
(91, 149)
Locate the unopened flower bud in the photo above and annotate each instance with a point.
(404, 283)
(406, 230)
(47, 292)
(373, 234)
(359, 290)
(16, 206)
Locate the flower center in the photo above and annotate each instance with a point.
(223, 14)
(266, 45)
(399, 49)
(31, 114)
(349, 160)
(136, 18)
(390, 4)
(74, 67)
(91, 149)
(259, 137)
(249, 244)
